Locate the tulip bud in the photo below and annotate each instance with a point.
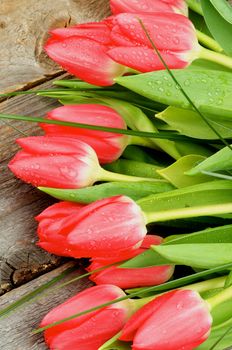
(131, 277)
(174, 36)
(81, 50)
(55, 162)
(143, 6)
(108, 146)
(90, 331)
(179, 319)
(113, 226)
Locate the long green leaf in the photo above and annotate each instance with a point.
(210, 198)
(210, 90)
(218, 23)
(202, 255)
(93, 193)
(160, 135)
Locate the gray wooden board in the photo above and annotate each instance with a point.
(20, 258)
(24, 26)
(16, 328)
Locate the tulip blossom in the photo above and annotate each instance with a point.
(176, 320)
(174, 36)
(113, 226)
(143, 6)
(108, 146)
(60, 162)
(131, 277)
(82, 51)
(89, 331)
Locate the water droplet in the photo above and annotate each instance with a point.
(187, 82)
(161, 89)
(220, 101)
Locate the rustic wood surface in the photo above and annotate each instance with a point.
(24, 26)
(16, 328)
(23, 30)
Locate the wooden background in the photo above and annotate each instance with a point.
(24, 26)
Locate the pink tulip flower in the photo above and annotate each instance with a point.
(131, 277)
(113, 226)
(143, 6)
(90, 331)
(176, 320)
(108, 146)
(82, 51)
(55, 162)
(174, 36)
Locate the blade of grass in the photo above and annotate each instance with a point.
(181, 88)
(176, 283)
(160, 135)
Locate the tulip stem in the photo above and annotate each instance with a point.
(140, 141)
(216, 57)
(195, 6)
(220, 298)
(204, 286)
(208, 41)
(105, 175)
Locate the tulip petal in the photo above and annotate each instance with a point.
(145, 59)
(181, 321)
(84, 58)
(97, 31)
(167, 30)
(107, 227)
(143, 6)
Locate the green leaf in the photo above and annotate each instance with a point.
(138, 154)
(221, 160)
(218, 23)
(131, 167)
(221, 234)
(224, 8)
(175, 173)
(217, 334)
(90, 194)
(189, 123)
(146, 259)
(210, 90)
(203, 255)
(228, 281)
(209, 198)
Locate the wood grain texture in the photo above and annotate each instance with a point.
(24, 26)
(20, 258)
(16, 328)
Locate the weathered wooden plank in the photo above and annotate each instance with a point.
(24, 26)
(20, 258)
(16, 328)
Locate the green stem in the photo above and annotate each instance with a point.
(184, 213)
(207, 285)
(195, 6)
(140, 141)
(208, 42)
(219, 58)
(105, 175)
(220, 297)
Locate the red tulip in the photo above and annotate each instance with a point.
(174, 35)
(90, 331)
(131, 277)
(112, 226)
(82, 51)
(55, 162)
(108, 146)
(143, 6)
(176, 320)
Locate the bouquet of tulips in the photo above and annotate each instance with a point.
(157, 147)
